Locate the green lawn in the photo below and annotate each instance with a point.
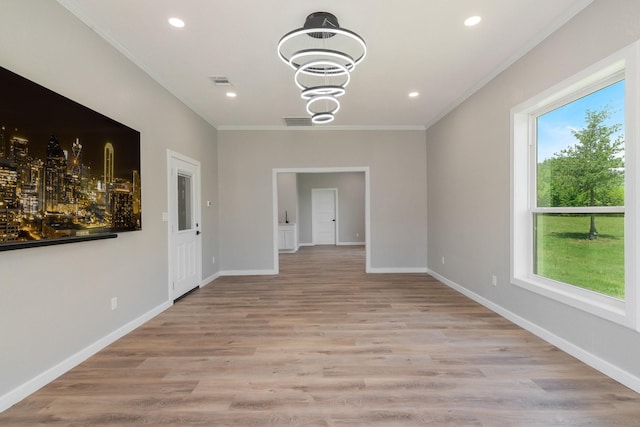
(565, 253)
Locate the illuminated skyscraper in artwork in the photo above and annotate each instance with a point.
(76, 159)
(32, 186)
(75, 172)
(19, 154)
(108, 163)
(8, 211)
(137, 200)
(121, 208)
(137, 195)
(55, 173)
(19, 149)
(8, 183)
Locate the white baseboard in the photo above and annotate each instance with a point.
(34, 384)
(208, 280)
(288, 251)
(337, 244)
(395, 270)
(607, 368)
(247, 272)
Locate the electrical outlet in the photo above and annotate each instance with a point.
(213, 260)
(494, 280)
(442, 260)
(114, 303)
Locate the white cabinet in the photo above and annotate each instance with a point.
(287, 237)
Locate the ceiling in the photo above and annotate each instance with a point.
(413, 45)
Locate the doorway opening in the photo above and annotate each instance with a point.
(306, 215)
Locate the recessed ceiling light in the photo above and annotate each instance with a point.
(231, 94)
(472, 20)
(413, 94)
(176, 22)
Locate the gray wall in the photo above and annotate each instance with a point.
(468, 182)
(397, 161)
(351, 204)
(287, 197)
(56, 300)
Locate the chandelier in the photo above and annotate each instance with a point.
(323, 56)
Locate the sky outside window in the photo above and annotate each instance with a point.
(554, 127)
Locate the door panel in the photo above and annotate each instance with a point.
(184, 216)
(323, 205)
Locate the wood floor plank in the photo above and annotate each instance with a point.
(325, 344)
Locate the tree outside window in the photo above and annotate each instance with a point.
(580, 167)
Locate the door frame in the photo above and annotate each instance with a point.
(336, 236)
(171, 157)
(367, 207)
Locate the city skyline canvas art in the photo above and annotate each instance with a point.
(65, 170)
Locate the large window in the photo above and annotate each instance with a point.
(574, 215)
(578, 208)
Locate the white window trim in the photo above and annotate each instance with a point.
(522, 185)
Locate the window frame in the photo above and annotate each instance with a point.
(621, 65)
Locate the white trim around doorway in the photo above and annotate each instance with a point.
(367, 207)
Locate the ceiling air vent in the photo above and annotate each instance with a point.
(297, 121)
(220, 81)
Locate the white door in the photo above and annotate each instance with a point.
(323, 213)
(185, 246)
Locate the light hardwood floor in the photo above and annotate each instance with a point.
(324, 344)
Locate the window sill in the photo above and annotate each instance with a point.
(609, 308)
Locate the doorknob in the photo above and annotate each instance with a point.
(197, 232)
(334, 220)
